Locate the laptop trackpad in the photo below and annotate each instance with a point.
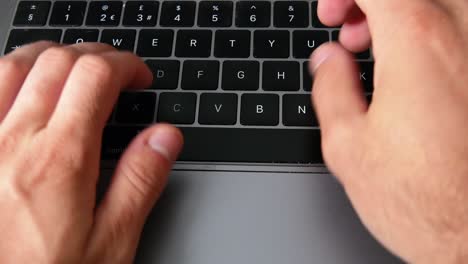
(262, 218)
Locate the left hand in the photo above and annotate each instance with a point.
(55, 102)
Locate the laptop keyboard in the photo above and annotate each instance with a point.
(231, 74)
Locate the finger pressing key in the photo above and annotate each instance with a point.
(14, 68)
(38, 97)
(93, 88)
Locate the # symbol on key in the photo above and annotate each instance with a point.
(105, 7)
(149, 18)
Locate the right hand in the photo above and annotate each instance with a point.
(403, 159)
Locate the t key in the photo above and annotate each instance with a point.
(232, 44)
(298, 111)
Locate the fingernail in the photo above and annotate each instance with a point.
(165, 141)
(321, 55)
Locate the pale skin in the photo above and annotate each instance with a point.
(403, 160)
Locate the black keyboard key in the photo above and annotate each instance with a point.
(241, 75)
(177, 108)
(244, 145)
(253, 14)
(215, 14)
(76, 36)
(315, 19)
(165, 73)
(281, 76)
(232, 44)
(200, 75)
(155, 43)
(271, 44)
(360, 56)
(259, 110)
(291, 14)
(141, 13)
(177, 14)
(305, 42)
(32, 13)
(218, 109)
(68, 13)
(20, 37)
(119, 39)
(104, 13)
(193, 43)
(136, 108)
(298, 111)
(366, 75)
(307, 80)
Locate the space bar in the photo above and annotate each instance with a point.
(230, 144)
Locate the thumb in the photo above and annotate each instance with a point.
(339, 102)
(139, 179)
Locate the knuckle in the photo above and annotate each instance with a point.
(11, 66)
(333, 142)
(58, 54)
(100, 67)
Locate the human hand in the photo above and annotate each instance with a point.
(54, 104)
(403, 159)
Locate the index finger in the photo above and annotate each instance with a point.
(93, 88)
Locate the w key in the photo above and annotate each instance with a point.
(119, 39)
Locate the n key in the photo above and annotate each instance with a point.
(218, 109)
(298, 111)
(119, 39)
(32, 13)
